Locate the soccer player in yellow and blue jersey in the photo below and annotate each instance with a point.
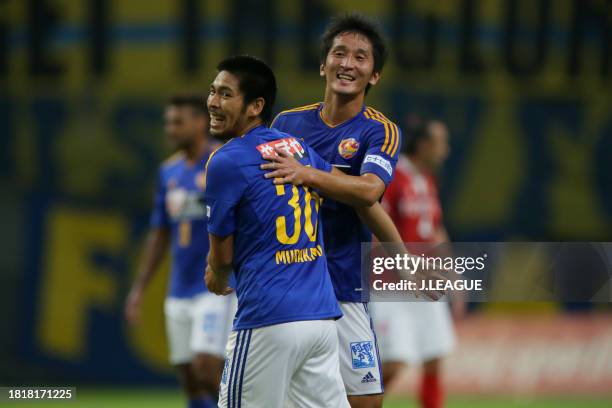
(363, 144)
(283, 348)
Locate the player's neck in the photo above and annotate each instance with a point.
(339, 108)
(250, 126)
(195, 151)
(419, 164)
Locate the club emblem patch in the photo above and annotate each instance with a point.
(289, 145)
(348, 148)
(362, 354)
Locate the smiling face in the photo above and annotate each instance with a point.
(230, 116)
(226, 106)
(349, 65)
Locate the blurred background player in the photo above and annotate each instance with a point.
(364, 144)
(197, 322)
(416, 332)
(284, 347)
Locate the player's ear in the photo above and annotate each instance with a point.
(256, 107)
(322, 70)
(374, 78)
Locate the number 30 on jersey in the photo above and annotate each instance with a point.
(311, 201)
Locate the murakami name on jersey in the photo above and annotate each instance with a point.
(298, 255)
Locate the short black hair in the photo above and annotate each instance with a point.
(415, 131)
(196, 102)
(356, 23)
(255, 80)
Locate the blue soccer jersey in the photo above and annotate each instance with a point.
(179, 206)
(366, 143)
(279, 261)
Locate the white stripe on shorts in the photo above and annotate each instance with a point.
(241, 351)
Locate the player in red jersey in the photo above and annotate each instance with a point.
(412, 197)
(413, 333)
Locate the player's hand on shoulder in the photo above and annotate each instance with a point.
(284, 168)
(216, 284)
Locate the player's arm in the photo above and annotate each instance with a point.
(380, 224)
(458, 303)
(155, 248)
(364, 190)
(383, 228)
(219, 267)
(440, 235)
(224, 188)
(356, 191)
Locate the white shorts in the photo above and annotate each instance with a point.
(200, 324)
(284, 365)
(413, 332)
(358, 350)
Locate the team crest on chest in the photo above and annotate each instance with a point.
(348, 148)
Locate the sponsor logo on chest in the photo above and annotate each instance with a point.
(289, 145)
(183, 204)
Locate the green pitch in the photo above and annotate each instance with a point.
(168, 398)
(510, 402)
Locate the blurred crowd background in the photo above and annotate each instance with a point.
(524, 86)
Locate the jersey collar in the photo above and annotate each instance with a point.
(320, 117)
(254, 130)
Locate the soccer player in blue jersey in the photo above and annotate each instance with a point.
(364, 145)
(283, 348)
(197, 322)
